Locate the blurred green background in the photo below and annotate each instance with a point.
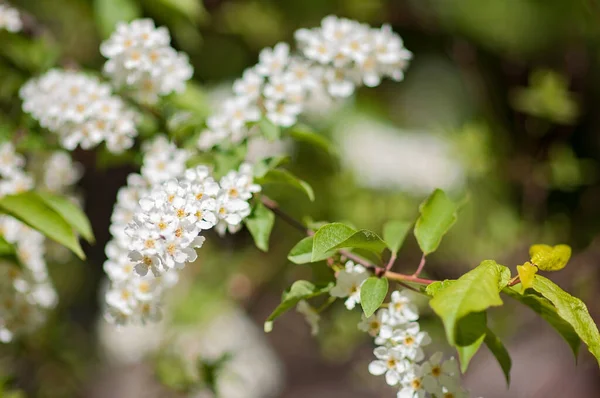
(498, 108)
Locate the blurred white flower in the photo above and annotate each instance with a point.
(10, 19)
(383, 157)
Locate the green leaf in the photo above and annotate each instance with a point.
(502, 356)
(363, 239)
(300, 290)
(109, 12)
(394, 233)
(544, 308)
(329, 236)
(548, 258)
(269, 130)
(260, 223)
(281, 176)
(475, 291)
(572, 310)
(6, 249)
(70, 212)
(29, 208)
(305, 134)
(301, 253)
(438, 214)
(466, 353)
(470, 332)
(372, 294)
(190, 8)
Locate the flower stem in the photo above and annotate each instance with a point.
(421, 266)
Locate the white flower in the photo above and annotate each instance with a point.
(409, 340)
(140, 57)
(310, 314)
(249, 86)
(273, 61)
(438, 374)
(10, 19)
(348, 285)
(412, 384)
(80, 109)
(401, 308)
(61, 172)
(389, 362)
(374, 323)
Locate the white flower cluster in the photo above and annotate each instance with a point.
(10, 19)
(80, 109)
(140, 56)
(334, 59)
(14, 179)
(26, 292)
(60, 172)
(164, 231)
(400, 340)
(130, 297)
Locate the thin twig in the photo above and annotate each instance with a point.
(421, 266)
(274, 207)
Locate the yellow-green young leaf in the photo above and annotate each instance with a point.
(260, 223)
(71, 213)
(526, 274)
(300, 290)
(281, 176)
(372, 294)
(394, 233)
(500, 352)
(475, 291)
(549, 258)
(438, 214)
(29, 208)
(433, 288)
(544, 308)
(572, 310)
(109, 12)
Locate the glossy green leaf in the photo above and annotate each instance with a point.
(544, 308)
(71, 214)
(372, 294)
(109, 12)
(260, 223)
(470, 332)
(550, 258)
(328, 237)
(269, 130)
(572, 310)
(281, 176)
(438, 214)
(394, 233)
(300, 290)
(29, 208)
(365, 240)
(500, 352)
(475, 291)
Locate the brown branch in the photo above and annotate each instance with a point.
(274, 207)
